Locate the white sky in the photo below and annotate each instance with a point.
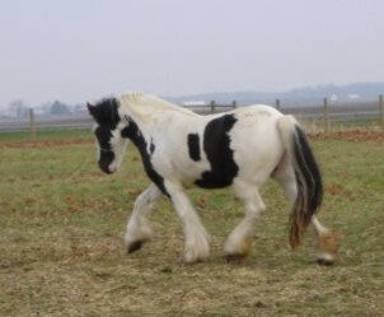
(75, 50)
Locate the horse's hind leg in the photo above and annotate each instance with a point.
(239, 242)
(326, 241)
(138, 229)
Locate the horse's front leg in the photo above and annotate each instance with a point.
(196, 238)
(138, 228)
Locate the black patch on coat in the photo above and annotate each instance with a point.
(106, 115)
(133, 132)
(194, 146)
(219, 154)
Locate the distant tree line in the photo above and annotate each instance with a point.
(19, 109)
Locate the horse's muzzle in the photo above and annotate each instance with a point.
(105, 162)
(105, 168)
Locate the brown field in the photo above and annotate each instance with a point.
(62, 254)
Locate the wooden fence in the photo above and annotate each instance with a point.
(326, 116)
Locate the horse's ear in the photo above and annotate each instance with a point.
(91, 109)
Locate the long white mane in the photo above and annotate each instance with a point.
(145, 104)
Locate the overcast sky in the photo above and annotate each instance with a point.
(75, 50)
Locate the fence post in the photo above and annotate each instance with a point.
(234, 104)
(326, 114)
(277, 103)
(381, 110)
(32, 126)
(213, 106)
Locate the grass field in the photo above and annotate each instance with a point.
(62, 254)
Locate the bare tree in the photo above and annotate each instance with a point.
(18, 108)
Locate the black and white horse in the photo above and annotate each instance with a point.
(240, 148)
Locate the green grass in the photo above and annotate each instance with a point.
(47, 134)
(61, 249)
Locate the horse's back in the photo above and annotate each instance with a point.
(256, 141)
(212, 151)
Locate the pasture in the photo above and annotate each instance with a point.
(62, 252)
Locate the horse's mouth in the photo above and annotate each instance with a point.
(106, 168)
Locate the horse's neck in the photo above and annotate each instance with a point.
(140, 125)
(135, 133)
(147, 110)
(143, 122)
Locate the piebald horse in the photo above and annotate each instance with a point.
(241, 148)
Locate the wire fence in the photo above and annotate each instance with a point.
(327, 115)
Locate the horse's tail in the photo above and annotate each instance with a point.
(307, 175)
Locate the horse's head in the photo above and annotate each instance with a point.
(107, 128)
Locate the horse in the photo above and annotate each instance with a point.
(241, 149)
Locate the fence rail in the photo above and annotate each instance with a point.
(326, 115)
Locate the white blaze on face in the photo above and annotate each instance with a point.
(119, 146)
(109, 156)
(94, 127)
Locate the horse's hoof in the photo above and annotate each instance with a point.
(235, 258)
(134, 246)
(192, 261)
(325, 262)
(192, 258)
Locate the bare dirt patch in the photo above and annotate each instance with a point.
(356, 135)
(338, 190)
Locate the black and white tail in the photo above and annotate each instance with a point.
(307, 175)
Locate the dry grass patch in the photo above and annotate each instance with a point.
(62, 254)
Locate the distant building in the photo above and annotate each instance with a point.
(353, 96)
(192, 103)
(334, 97)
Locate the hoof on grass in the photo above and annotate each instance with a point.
(194, 261)
(191, 258)
(135, 246)
(325, 261)
(235, 258)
